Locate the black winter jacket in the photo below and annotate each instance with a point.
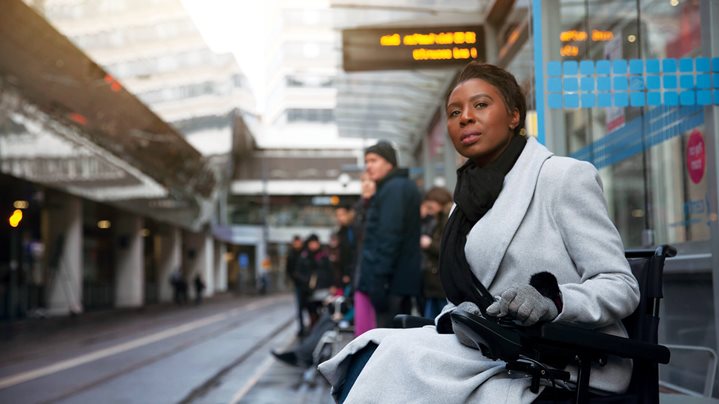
(391, 257)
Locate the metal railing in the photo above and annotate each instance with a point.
(710, 373)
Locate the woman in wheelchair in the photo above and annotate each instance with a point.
(531, 227)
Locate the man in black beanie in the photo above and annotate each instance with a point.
(389, 272)
(385, 150)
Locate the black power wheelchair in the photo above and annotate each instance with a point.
(543, 350)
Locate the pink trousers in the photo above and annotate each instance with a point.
(364, 313)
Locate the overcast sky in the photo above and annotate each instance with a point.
(238, 27)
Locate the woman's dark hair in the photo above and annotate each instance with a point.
(439, 195)
(503, 81)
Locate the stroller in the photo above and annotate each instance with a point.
(339, 311)
(332, 330)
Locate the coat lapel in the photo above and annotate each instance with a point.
(489, 239)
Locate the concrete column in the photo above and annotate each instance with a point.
(130, 271)
(170, 256)
(208, 272)
(220, 267)
(62, 232)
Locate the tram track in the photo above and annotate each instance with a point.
(215, 379)
(74, 339)
(179, 341)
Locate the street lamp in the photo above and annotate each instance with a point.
(14, 221)
(15, 218)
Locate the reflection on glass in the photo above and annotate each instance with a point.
(641, 129)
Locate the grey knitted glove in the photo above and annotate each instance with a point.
(525, 304)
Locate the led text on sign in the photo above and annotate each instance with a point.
(368, 49)
(441, 38)
(581, 36)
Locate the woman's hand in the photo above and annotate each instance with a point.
(425, 241)
(525, 304)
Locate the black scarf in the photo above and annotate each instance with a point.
(477, 189)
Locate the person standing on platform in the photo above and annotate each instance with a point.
(314, 266)
(179, 287)
(391, 257)
(364, 315)
(437, 203)
(333, 253)
(199, 288)
(175, 283)
(293, 258)
(347, 244)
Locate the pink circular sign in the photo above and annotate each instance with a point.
(696, 156)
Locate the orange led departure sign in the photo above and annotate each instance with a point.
(407, 48)
(581, 36)
(569, 50)
(442, 38)
(574, 35)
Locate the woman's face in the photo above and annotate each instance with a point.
(313, 245)
(478, 122)
(431, 207)
(368, 186)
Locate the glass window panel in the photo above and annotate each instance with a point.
(644, 134)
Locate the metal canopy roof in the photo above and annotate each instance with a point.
(49, 84)
(397, 105)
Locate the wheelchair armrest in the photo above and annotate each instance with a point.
(572, 338)
(407, 321)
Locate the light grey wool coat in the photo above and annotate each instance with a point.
(550, 216)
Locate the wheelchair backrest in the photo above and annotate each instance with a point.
(648, 267)
(643, 325)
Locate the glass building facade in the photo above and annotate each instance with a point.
(633, 87)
